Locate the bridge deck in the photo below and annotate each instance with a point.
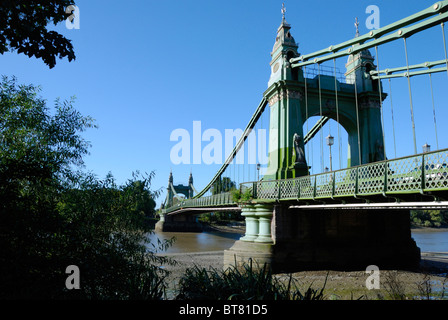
(417, 178)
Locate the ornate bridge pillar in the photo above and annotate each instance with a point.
(257, 244)
(263, 213)
(252, 226)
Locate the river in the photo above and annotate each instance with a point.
(431, 240)
(197, 242)
(428, 240)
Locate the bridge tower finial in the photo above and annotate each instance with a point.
(190, 179)
(357, 27)
(170, 179)
(283, 12)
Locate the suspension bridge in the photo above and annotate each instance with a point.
(300, 215)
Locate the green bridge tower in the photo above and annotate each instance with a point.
(293, 98)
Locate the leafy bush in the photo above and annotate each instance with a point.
(52, 216)
(238, 196)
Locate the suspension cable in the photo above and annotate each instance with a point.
(434, 111)
(306, 113)
(260, 145)
(410, 95)
(381, 103)
(337, 114)
(320, 129)
(244, 162)
(444, 46)
(357, 117)
(392, 113)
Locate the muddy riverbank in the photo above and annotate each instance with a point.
(431, 277)
(341, 285)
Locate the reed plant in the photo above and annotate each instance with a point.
(247, 282)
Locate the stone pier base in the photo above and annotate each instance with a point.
(257, 245)
(178, 223)
(244, 252)
(343, 239)
(295, 239)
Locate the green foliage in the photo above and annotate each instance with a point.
(241, 197)
(52, 216)
(220, 217)
(236, 195)
(143, 198)
(247, 195)
(224, 184)
(247, 283)
(23, 27)
(33, 143)
(429, 218)
(108, 240)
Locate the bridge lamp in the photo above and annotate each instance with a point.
(426, 148)
(258, 171)
(330, 142)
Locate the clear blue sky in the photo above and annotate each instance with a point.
(145, 68)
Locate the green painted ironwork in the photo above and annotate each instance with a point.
(315, 129)
(358, 44)
(417, 174)
(421, 173)
(388, 73)
(252, 122)
(214, 201)
(413, 174)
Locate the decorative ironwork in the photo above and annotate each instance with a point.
(421, 173)
(413, 174)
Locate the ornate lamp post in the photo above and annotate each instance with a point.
(426, 148)
(330, 142)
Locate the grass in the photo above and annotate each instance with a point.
(244, 283)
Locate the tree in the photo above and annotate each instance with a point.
(224, 184)
(23, 27)
(37, 151)
(108, 240)
(429, 218)
(52, 215)
(138, 189)
(33, 143)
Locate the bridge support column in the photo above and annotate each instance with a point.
(264, 214)
(252, 227)
(257, 243)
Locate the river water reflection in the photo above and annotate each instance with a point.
(428, 241)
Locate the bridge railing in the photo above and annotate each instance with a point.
(216, 200)
(420, 173)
